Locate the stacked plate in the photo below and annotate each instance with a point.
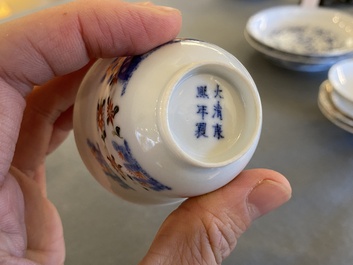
(336, 95)
(302, 39)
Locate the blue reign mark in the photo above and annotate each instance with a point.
(217, 111)
(202, 92)
(218, 92)
(201, 127)
(202, 110)
(218, 132)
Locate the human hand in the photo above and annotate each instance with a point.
(205, 229)
(52, 51)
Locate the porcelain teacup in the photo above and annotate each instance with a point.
(181, 120)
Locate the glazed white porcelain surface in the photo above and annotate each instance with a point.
(292, 61)
(330, 110)
(303, 31)
(345, 106)
(181, 120)
(340, 76)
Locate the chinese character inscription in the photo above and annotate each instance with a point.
(209, 124)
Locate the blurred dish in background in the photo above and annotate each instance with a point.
(302, 39)
(340, 76)
(333, 2)
(328, 2)
(330, 111)
(290, 61)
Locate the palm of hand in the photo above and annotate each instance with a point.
(38, 235)
(31, 232)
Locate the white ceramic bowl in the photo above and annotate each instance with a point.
(341, 77)
(181, 120)
(292, 61)
(304, 31)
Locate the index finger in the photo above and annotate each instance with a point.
(61, 40)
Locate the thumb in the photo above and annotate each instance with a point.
(205, 229)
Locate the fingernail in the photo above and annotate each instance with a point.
(161, 8)
(167, 8)
(267, 196)
(144, 4)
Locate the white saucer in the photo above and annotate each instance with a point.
(340, 76)
(330, 111)
(321, 32)
(291, 61)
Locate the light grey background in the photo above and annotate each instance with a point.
(315, 227)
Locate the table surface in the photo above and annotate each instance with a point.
(315, 227)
